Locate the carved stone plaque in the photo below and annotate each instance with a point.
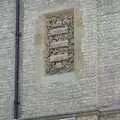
(59, 42)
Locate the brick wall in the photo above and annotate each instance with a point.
(109, 51)
(95, 81)
(63, 93)
(7, 28)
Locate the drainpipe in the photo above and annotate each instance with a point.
(17, 56)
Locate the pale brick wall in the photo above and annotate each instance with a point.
(109, 51)
(7, 28)
(61, 93)
(97, 81)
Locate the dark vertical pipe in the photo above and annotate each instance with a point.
(17, 56)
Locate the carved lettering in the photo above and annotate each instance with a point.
(59, 42)
(58, 31)
(58, 57)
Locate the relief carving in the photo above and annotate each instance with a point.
(59, 42)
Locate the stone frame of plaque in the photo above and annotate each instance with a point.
(59, 42)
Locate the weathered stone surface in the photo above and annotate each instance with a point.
(95, 80)
(59, 30)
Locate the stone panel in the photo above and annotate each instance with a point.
(59, 43)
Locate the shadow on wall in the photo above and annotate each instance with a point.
(21, 54)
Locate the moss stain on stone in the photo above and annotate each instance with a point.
(39, 38)
(79, 34)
